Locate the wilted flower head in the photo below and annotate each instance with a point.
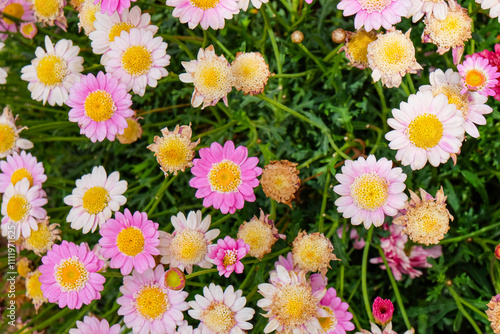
(132, 132)
(50, 12)
(41, 240)
(250, 72)
(24, 267)
(174, 151)
(493, 313)
(312, 252)
(280, 181)
(260, 234)
(382, 310)
(33, 289)
(87, 17)
(9, 134)
(425, 220)
(356, 47)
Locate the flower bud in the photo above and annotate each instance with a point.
(338, 35)
(297, 37)
(382, 311)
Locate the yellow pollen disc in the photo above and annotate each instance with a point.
(8, 138)
(71, 274)
(51, 70)
(189, 246)
(18, 208)
(218, 318)
(259, 236)
(204, 4)
(14, 9)
(311, 252)
(213, 78)
(39, 239)
(392, 53)
(28, 29)
(225, 177)
(137, 60)
(131, 133)
(475, 78)
(427, 223)
(130, 241)
(452, 91)
(99, 106)
(20, 174)
(357, 46)
(95, 200)
(46, 8)
(230, 257)
(369, 191)
(250, 72)
(328, 323)
(425, 131)
(374, 5)
(117, 29)
(174, 152)
(24, 267)
(294, 305)
(34, 286)
(451, 32)
(151, 302)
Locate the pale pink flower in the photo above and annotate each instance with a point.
(478, 75)
(227, 254)
(20, 9)
(92, 325)
(494, 60)
(204, 12)
(375, 14)
(419, 8)
(112, 6)
(338, 321)
(243, 4)
(20, 166)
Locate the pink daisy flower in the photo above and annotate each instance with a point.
(427, 128)
(20, 166)
(69, 275)
(22, 206)
(137, 59)
(100, 106)
(338, 321)
(221, 311)
(112, 6)
(494, 60)
(375, 14)
(92, 325)
(225, 176)
(17, 8)
(478, 75)
(28, 30)
(370, 190)
(148, 306)
(402, 260)
(204, 12)
(382, 310)
(130, 241)
(227, 255)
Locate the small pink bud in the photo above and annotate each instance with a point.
(174, 279)
(382, 311)
(497, 252)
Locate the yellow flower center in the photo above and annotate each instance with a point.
(225, 177)
(475, 79)
(99, 106)
(34, 286)
(294, 305)
(151, 302)
(311, 252)
(87, 16)
(14, 9)
(71, 274)
(51, 70)
(392, 53)
(369, 191)
(137, 60)
(20, 174)
(357, 46)
(18, 208)
(174, 278)
(24, 267)
(117, 29)
(204, 4)
(189, 246)
(427, 223)
(259, 236)
(328, 323)
(8, 138)
(39, 239)
(213, 78)
(425, 131)
(230, 257)
(130, 241)
(47, 9)
(95, 200)
(28, 29)
(374, 5)
(174, 152)
(218, 318)
(131, 133)
(451, 32)
(452, 91)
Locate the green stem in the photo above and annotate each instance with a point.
(332, 53)
(272, 215)
(405, 88)
(220, 45)
(210, 132)
(470, 235)
(249, 276)
(293, 75)
(475, 309)
(313, 57)
(363, 274)
(159, 195)
(323, 204)
(396, 289)
(355, 319)
(457, 299)
(202, 272)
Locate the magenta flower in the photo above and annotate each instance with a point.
(382, 310)
(225, 176)
(130, 241)
(227, 254)
(100, 106)
(20, 166)
(69, 275)
(493, 58)
(112, 6)
(339, 320)
(478, 76)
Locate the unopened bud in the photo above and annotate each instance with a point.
(338, 35)
(297, 37)
(497, 251)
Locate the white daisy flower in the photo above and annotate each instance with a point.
(53, 72)
(438, 8)
(108, 27)
(9, 134)
(221, 311)
(95, 197)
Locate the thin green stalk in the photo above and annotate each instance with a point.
(355, 319)
(293, 75)
(159, 195)
(405, 88)
(470, 235)
(475, 309)
(332, 53)
(323, 204)
(380, 91)
(210, 132)
(249, 276)
(275, 48)
(410, 83)
(220, 221)
(220, 45)
(205, 39)
(202, 272)
(457, 299)
(313, 57)
(272, 215)
(396, 289)
(363, 274)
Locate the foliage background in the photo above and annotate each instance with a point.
(314, 110)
